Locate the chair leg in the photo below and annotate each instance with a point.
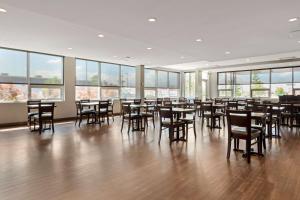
(80, 120)
(122, 124)
(228, 148)
(160, 131)
(171, 134)
(223, 121)
(248, 150)
(129, 124)
(187, 131)
(52, 123)
(153, 121)
(194, 127)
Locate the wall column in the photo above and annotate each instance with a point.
(140, 81)
(198, 83)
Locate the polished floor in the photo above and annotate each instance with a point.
(101, 163)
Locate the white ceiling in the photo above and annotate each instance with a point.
(252, 29)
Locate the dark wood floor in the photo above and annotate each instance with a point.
(101, 163)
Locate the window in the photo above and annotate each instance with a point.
(128, 82)
(46, 69)
(281, 82)
(87, 73)
(87, 92)
(109, 93)
(87, 80)
(110, 74)
(150, 78)
(161, 84)
(204, 89)
(264, 82)
(162, 79)
(242, 84)
(189, 84)
(225, 81)
(26, 75)
(150, 93)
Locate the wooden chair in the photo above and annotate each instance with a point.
(31, 112)
(207, 112)
(84, 111)
(232, 105)
(102, 111)
(149, 113)
(190, 119)
(137, 101)
(111, 109)
(167, 121)
(197, 103)
(129, 116)
(168, 103)
(45, 115)
(239, 127)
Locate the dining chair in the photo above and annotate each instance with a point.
(129, 116)
(31, 112)
(189, 118)
(84, 111)
(167, 121)
(239, 128)
(102, 111)
(45, 115)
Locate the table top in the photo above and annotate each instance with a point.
(141, 105)
(183, 110)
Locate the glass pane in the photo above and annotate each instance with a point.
(260, 93)
(13, 66)
(109, 93)
(221, 78)
(110, 74)
(150, 78)
(128, 93)
(46, 93)
(242, 78)
(242, 90)
(283, 75)
(161, 92)
(297, 92)
(260, 86)
(46, 69)
(225, 93)
(87, 72)
(281, 89)
(260, 76)
(297, 74)
(128, 76)
(13, 92)
(229, 78)
(162, 79)
(296, 85)
(174, 93)
(149, 94)
(174, 80)
(83, 92)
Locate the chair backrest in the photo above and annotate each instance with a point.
(32, 102)
(159, 101)
(137, 101)
(103, 105)
(165, 112)
(259, 108)
(197, 102)
(167, 99)
(218, 100)
(239, 118)
(232, 105)
(206, 107)
(46, 108)
(168, 103)
(126, 109)
(182, 99)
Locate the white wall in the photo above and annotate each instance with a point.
(213, 85)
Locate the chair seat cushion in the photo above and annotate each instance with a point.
(87, 111)
(168, 123)
(133, 115)
(147, 114)
(241, 132)
(44, 115)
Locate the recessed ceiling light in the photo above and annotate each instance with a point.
(152, 19)
(115, 56)
(248, 60)
(101, 36)
(227, 52)
(199, 40)
(70, 48)
(149, 48)
(3, 10)
(182, 57)
(299, 41)
(293, 19)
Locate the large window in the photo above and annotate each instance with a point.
(128, 82)
(225, 84)
(261, 83)
(96, 80)
(26, 75)
(161, 84)
(189, 84)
